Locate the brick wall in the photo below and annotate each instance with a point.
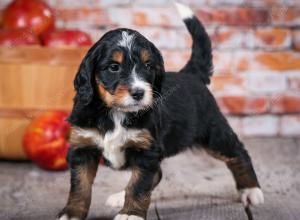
(256, 51)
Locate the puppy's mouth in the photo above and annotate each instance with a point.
(135, 107)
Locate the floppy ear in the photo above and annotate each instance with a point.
(83, 82)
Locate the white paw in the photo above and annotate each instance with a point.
(66, 217)
(252, 196)
(116, 200)
(127, 217)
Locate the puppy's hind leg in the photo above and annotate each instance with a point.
(225, 145)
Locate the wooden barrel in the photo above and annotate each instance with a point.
(33, 79)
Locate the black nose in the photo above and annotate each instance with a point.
(137, 93)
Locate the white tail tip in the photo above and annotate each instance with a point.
(184, 11)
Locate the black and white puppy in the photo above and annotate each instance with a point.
(132, 113)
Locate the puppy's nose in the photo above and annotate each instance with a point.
(137, 93)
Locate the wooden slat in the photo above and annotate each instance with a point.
(20, 113)
(42, 55)
(32, 86)
(12, 130)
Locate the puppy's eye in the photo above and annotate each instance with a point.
(114, 67)
(148, 65)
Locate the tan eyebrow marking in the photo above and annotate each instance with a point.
(145, 55)
(118, 56)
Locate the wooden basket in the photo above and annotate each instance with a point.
(33, 79)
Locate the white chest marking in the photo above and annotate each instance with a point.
(113, 141)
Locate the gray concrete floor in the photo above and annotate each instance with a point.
(194, 186)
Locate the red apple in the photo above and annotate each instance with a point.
(33, 14)
(17, 37)
(69, 38)
(46, 140)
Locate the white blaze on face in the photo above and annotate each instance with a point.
(127, 40)
(129, 103)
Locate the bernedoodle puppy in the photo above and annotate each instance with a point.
(130, 112)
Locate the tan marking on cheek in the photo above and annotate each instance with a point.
(105, 95)
(145, 55)
(120, 94)
(118, 56)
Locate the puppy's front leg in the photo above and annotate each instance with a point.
(83, 163)
(138, 193)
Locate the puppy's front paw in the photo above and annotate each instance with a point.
(252, 196)
(116, 200)
(127, 217)
(66, 217)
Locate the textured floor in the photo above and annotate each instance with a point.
(194, 187)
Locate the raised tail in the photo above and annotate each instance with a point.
(200, 63)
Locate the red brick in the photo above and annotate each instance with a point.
(280, 61)
(273, 38)
(234, 16)
(296, 39)
(238, 104)
(141, 18)
(285, 103)
(242, 61)
(290, 125)
(264, 125)
(226, 82)
(94, 16)
(233, 38)
(285, 15)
